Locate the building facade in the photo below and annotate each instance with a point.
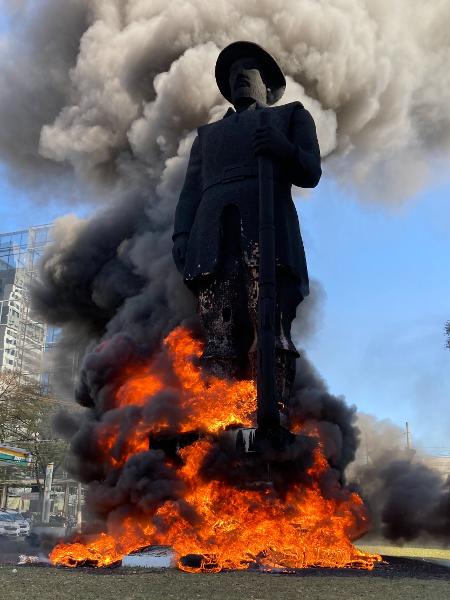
(24, 338)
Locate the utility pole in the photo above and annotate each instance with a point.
(79, 515)
(66, 499)
(47, 490)
(408, 440)
(4, 500)
(367, 448)
(4, 496)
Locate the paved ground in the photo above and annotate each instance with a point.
(397, 579)
(10, 549)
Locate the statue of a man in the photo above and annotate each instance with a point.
(216, 221)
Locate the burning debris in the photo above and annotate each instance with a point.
(26, 559)
(201, 498)
(159, 557)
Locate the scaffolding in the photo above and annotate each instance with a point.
(24, 337)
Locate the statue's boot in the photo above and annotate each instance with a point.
(285, 363)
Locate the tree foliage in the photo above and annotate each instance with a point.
(26, 415)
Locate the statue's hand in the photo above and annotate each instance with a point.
(179, 250)
(272, 142)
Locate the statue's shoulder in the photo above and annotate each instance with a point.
(285, 113)
(229, 113)
(290, 107)
(213, 124)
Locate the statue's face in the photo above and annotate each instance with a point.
(246, 81)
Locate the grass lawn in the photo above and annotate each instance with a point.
(407, 551)
(39, 583)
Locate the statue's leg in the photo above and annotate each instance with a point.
(217, 297)
(288, 298)
(252, 288)
(222, 306)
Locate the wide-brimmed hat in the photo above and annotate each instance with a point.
(272, 73)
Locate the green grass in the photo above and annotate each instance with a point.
(407, 552)
(36, 583)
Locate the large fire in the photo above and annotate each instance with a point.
(226, 526)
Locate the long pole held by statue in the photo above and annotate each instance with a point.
(268, 416)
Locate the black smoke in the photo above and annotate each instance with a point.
(407, 498)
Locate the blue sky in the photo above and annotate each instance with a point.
(380, 333)
(385, 272)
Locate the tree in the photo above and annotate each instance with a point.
(26, 415)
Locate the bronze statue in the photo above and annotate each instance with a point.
(216, 222)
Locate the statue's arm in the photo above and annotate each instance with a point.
(304, 168)
(191, 194)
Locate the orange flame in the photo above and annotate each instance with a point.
(234, 528)
(212, 404)
(241, 527)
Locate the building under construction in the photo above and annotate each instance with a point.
(25, 348)
(24, 338)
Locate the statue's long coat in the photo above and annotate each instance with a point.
(223, 170)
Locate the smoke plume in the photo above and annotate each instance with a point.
(407, 499)
(112, 88)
